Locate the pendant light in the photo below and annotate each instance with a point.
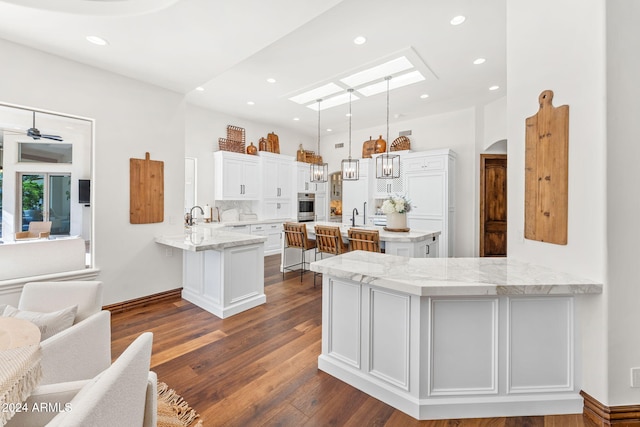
(350, 167)
(319, 171)
(387, 165)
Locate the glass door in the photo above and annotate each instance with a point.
(47, 197)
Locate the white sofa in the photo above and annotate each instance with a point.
(83, 350)
(125, 394)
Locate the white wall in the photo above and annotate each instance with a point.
(454, 130)
(131, 119)
(561, 46)
(623, 203)
(204, 127)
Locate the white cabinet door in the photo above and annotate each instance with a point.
(304, 183)
(273, 232)
(277, 177)
(277, 209)
(237, 176)
(427, 194)
(251, 181)
(321, 206)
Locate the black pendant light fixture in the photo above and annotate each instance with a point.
(388, 165)
(319, 171)
(350, 167)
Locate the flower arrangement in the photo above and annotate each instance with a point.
(396, 204)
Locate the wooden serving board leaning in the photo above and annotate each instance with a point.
(547, 172)
(146, 190)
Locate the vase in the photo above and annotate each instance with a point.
(381, 145)
(397, 220)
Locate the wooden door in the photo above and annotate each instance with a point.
(493, 205)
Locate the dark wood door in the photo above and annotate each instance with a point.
(493, 205)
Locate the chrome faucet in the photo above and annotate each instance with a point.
(353, 216)
(191, 218)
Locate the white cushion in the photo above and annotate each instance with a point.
(48, 323)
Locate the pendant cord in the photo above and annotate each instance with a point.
(388, 143)
(319, 101)
(350, 92)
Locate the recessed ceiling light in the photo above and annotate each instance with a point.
(494, 87)
(317, 93)
(200, 89)
(379, 71)
(457, 20)
(394, 83)
(271, 80)
(360, 40)
(251, 103)
(329, 130)
(296, 118)
(348, 114)
(97, 40)
(424, 96)
(479, 61)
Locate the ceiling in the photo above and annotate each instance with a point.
(230, 48)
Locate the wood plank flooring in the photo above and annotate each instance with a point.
(259, 368)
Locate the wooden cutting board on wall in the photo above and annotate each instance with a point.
(547, 172)
(146, 190)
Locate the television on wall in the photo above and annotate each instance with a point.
(84, 191)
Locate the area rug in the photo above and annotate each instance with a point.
(173, 411)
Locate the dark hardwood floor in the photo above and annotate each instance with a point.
(259, 368)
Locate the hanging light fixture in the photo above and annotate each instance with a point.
(319, 171)
(387, 165)
(350, 167)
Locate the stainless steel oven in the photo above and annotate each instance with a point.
(306, 207)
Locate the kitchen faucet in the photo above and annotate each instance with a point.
(191, 218)
(353, 216)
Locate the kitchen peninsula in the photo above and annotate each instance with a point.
(454, 337)
(223, 271)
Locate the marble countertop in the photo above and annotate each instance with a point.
(203, 238)
(385, 236)
(453, 276)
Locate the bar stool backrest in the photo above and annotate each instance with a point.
(329, 240)
(296, 235)
(364, 240)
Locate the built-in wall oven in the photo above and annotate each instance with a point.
(306, 207)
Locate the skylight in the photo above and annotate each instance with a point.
(332, 102)
(317, 93)
(394, 83)
(379, 71)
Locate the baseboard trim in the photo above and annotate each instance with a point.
(141, 302)
(604, 416)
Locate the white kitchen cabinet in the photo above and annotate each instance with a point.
(321, 206)
(244, 228)
(277, 176)
(429, 183)
(277, 209)
(356, 193)
(273, 232)
(237, 176)
(303, 181)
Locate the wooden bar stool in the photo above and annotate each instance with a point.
(295, 236)
(364, 240)
(328, 241)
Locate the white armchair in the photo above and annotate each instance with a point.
(125, 394)
(83, 350)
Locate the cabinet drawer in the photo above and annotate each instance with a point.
(239, 228)
(266, 228)
(257, 228)
(423, 163)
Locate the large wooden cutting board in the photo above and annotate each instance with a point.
(547, 172)
(146, 191)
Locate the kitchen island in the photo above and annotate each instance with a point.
(223, 271)
(454, 337)
(412, 243)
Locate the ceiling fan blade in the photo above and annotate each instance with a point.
(53, 137)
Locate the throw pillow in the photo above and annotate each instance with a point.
(48, 323)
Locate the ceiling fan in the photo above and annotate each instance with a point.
(34, 133)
